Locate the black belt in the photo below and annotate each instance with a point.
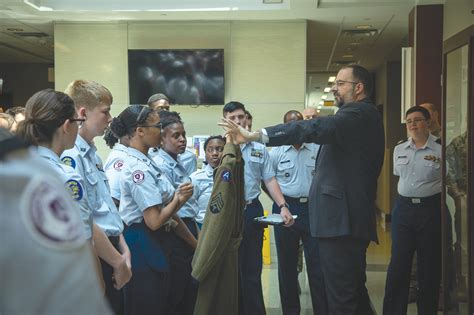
(422, 200)
(251, 201)
(303, 200)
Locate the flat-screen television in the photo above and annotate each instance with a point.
(186, 76)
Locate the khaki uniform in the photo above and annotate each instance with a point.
(215, 263)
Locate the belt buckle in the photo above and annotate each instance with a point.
(248, 202)
(304, 199)
(415, 200)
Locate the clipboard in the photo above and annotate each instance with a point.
(272, 219)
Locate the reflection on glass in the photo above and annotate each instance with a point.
(456, 178)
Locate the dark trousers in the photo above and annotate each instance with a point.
(183, 288)
(250, 262)
(147, 291)
(287, 241)
(343, 264)
(114, 296)
(415, 227)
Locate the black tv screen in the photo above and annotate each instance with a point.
(186, 76)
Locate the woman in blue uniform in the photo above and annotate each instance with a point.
(51, 125)
(114, 163)
(183, 290)
(203, 180)
(148, 202)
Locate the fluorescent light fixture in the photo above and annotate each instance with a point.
(332, 79)
(324, 96)
(39, 8)
(195, 9)
(327, 90)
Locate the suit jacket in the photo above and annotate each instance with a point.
(215, 262)
(343, 191)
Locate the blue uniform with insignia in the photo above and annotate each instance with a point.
(47, 267)
(416, 226)
(84, 159)
(257, 167)
(113, 168)
(203, 182)
(75, 184)
(183, 289)
(294, 172)
(187, 159)
(144, 185)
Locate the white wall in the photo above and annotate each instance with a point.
(265, 63)
(457, 16)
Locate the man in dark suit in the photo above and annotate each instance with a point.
(343, 191)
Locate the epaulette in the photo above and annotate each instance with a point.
(401, 141)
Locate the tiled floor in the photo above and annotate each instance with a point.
(378, 257)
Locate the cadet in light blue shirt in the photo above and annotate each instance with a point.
(148, 201)
(93, 102)
(203, 180)
(257, 167)
(115, 162)
(416, 218)
(294, 166)
(183, 289)
(46, 109)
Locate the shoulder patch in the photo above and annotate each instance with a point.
(77, 192)
(138, 177)
(226, 175)
(69, 161)
(401, 141)
(51, 216)
(118, 165)
(216, 204)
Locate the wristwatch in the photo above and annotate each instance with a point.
(284, 205)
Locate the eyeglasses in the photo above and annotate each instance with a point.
(78, 120)
(158, 125)
(339, 83)
(415, 121)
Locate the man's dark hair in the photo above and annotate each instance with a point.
(212, 138)
(292, 112)
(232, 106)
(360, 74)
(157, 97)
(420, 109)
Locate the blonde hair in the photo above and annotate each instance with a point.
(88, 94)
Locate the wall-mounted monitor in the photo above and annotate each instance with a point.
(186, 76)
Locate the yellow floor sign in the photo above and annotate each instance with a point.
(266, 244)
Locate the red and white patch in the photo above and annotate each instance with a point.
(138, 177)
(51, 216)
(118, 165)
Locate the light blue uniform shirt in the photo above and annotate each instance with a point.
(294, 169)
(177, 175)
(257, 167)
(73, 182)
(187, 159)
(142, 185)
(84, 159)
(419, 169)
(113, 168)
(203, 181)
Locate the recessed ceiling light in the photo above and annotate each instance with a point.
(363, 27)
(331, 79)
(326, 90)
